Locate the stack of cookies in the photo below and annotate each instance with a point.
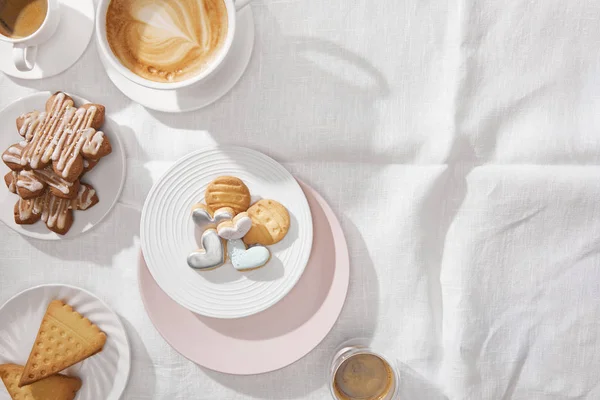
(58, 147)
(64, 338)
(234, 230)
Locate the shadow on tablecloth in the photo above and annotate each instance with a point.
(358, 319)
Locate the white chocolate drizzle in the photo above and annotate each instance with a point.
(12, 181)
(28, 208)
(55, 210)
(13, 154)
(60, 135)
(83, 201)
(49, 177)
(29, 181)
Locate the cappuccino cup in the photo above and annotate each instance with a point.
(27, 24)
(166, 44)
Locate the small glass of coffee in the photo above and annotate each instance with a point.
(359, 373)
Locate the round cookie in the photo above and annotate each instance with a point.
(270, 223)
(228, 191)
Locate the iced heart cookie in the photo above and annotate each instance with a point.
(205, 218)
(228, 191)
(235, 228)
(270, 223)
(244, 259)
(211, 255)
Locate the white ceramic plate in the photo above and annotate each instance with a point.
(168, 234)
(202, 93)
(107, 177)
(104, 375)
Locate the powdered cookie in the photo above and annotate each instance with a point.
(228, 191)
(270, 223)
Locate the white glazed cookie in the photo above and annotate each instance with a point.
(211, 255)
(235, 228)
(205, 218)
(244, 259)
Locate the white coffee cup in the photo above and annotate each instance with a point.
(232, 7)
(25, 49)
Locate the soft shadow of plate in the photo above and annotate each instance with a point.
(104, 375)
(107, 177)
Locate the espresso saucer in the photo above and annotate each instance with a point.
(64, 47)
(202, 93)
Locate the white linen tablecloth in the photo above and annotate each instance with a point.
(458, 143)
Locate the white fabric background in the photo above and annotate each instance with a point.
(458, 143)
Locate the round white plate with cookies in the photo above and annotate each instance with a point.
(103, 375)
(107, 177)
(168, 234)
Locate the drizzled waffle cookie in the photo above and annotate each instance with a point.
(58, 146)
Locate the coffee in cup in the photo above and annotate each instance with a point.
(21, 18)
(166, 41)
(27, 24)
(359, 373)
(363, 376)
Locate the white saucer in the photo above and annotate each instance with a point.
(104, 375)
(202, 93)
(64, 47)
(107, 178)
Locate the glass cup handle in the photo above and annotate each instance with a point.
(24, 57)
(239, 4)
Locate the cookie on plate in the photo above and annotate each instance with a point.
(270, 223)
(228, 191)
(55, 387)
(213, 253)
(65, 338)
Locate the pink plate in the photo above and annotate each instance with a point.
(276, 337)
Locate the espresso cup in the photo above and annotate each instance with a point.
(25, 48)
(357, 372)
(231, 6)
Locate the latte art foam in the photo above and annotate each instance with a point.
(166, 40)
